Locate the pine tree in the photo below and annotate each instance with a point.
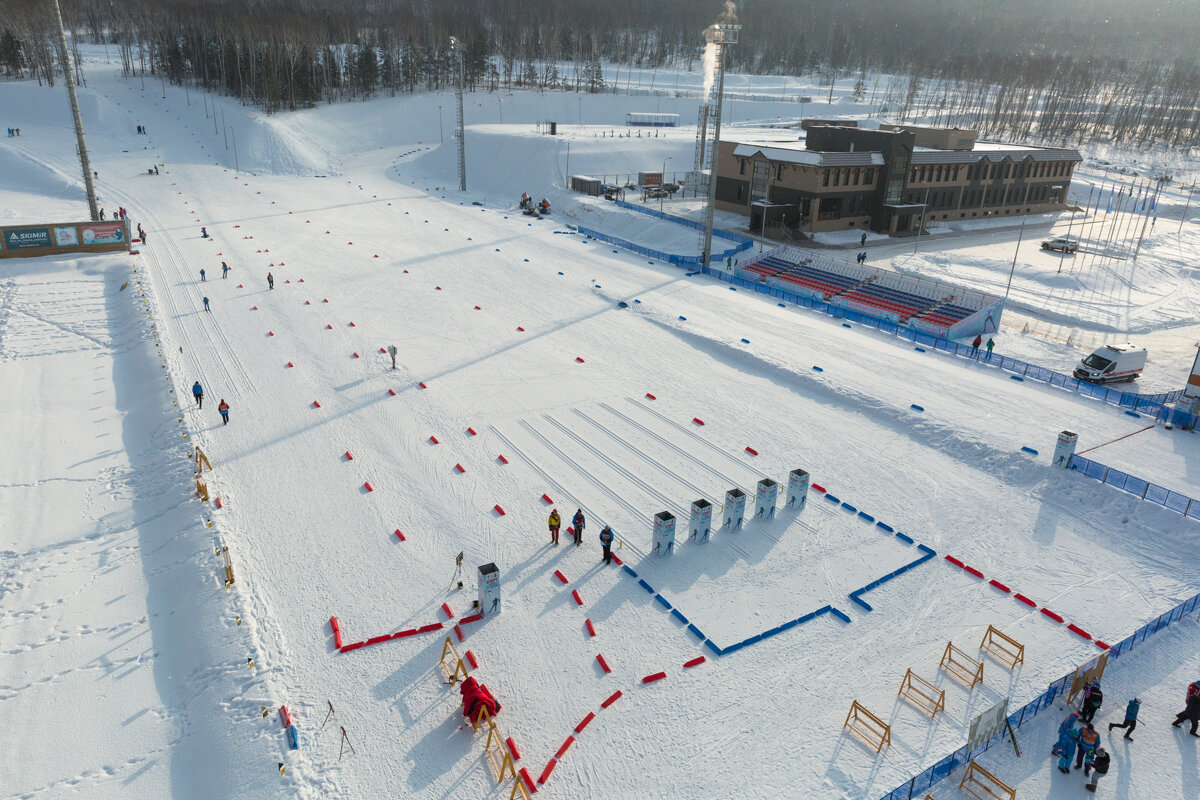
(860, 88)
(10, 54)
(594, 76)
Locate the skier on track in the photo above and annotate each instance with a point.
(224, 270)
(555, 524)
(578, 522)
(223, 407)
(606, 540)
(270, 281)
(206, 308)
(198, 393)
(203, 232)
(202, 278)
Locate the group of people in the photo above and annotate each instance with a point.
(1078, 737)
(578, 523)
(14, 132)
(121, 214)
(198, 395)
(152, 170)
(141, 129)
(979, 341)
(861, 257)
(528, 206)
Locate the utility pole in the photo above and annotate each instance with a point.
(458, 94)
(1020, 236)
(921, 226)
(233, 133)
(84, 162)
(1186, 206)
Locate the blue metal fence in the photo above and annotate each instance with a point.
(1151, 492)
(960, 757)
(1156, 405)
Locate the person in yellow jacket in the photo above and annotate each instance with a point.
(555, 522)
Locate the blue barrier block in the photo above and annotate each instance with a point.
(831, 498)
(293, 738)
(598, 286)
(732, 648)
(839, 615)
(662, 601)
(917, 407)
(904, 538)
(781, 305)
(848, 507)
(886, 527)
(675, 613)
(774, 632)
(646, 586)
(733, 288)
(806, 618)
(749, 641)
(1029, 450)
(919, 349)
(560, 273)
(709, 644)
(614, 251)
(818, 369)
(928, 550)
(696, 631)
(854, 596)
(683, 318)
(1017, 378)
(1134, 414)
(526, 260)
(845, 325)
(629, 569)
(747, 341)
(788, 625)
(866, 516)
(638, 302)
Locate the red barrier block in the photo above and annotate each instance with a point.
(477, 308)
(1052, 615)
(316, 404)
(474, 664)
(367, 485)
(580, 360)
(337, 632)
(973, 571)
(695, 662)
(458, 633)
(422, 385)
(471, 618)
(498, 509)
(270, 333)
(1025, 600)
(591, 629)
(522, 330)
(1078, 631)
(697, 420)
(352, 325)
(819, 488)
(612, 698)
(558, 574)
(954, 561)
(1000, 586)
(512, 748)
(446, 608)
(751, 451)
(405, 633)
(392, 392)
(583, 723)
(400, 535)
(650, 396)
(382, 350)
(350, 647)
(565, 746)
(502, 459)
(377, 639)
(434, 626)
(459, 467)
(355, 355)
(290, 364)
(328, 327)
(546, 499)
(348, 456)
(529, 784)
(325, 300)
(1102, 645)
(438, 288)
(433, 439)
(545, 776)
(658, 676)
(471, 432)
(617, 559)
(219, 503)
(603, 664)
(575, 594)
(254, 308)
(307, 303)
(240, 286)
(285, 717)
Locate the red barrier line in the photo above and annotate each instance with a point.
(650, 396)
(404, 633)
(973, 571)
(1000, 586)
(1102, 645)
(698, 660)
(1073, 628)
(446, 608)
(349, 647)
(458, 632)
(436, 626)
(512, 748)
(591, 629)
(558, 574)
(1052, 615)
(529, 784)
(475, 665)
(1022, 598)
(819, 488)
(612, 698)
(565, 746)
(387, 637)
(546, 772)
(585, 722)
(575, 594)
(603, 664)
(1119, 438)
(954, 561)
(617, 559)
(470, 618)
(658, 676)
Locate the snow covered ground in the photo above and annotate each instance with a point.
(513, 328)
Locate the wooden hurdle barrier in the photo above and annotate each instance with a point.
(867, 727)
(452, 670)
(922, 694)
(980, 783)
(201, 460)
(1002, 647)
(501, 765)
(228, 568)
(961, 666)
(201, 489)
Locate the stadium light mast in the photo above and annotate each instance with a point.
(456, 48)
(720, 36)
(84, 162)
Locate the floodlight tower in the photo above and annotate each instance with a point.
(456, 49)
(69, 79)
(719, 36)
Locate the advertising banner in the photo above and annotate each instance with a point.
(66, 236)
(17, 238)
(987, 725)
(102, 234)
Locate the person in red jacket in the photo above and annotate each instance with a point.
(224, 409)
(1192, 711)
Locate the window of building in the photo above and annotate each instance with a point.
(741, 166)
(869, 177)
(846, 177)
(956, 169)
(837, 176)
(759, 183)
(856, 177)
(915, 176)
(825, 177)
(741, 192)
(779, 172)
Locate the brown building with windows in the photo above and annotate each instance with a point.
(843, 178)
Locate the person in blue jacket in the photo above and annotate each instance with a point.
(198, 393)
(1068, 735)
(578, 522)
(202, 278)
(1130, 723)
(606, 540)
(206, 308)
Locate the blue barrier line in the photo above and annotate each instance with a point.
(904, 537)
(886, 527)
(711, 645)
(831, 498)
(675, 613)
(848, 507)
(864, 515)
(662, 601)
(696, 631)
(839, 615)
(628, 569)
(646, 586)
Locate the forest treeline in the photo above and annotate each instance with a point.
(1050, 70)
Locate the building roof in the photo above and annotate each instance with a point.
(791, 152)
(993, 151)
